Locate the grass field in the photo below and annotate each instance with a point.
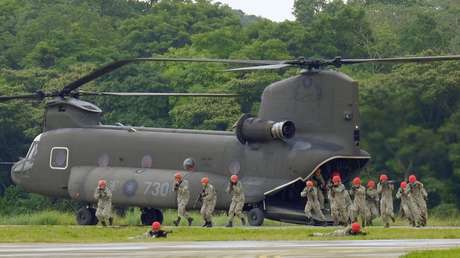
(132, 219)
(451, 253)
(86, 234)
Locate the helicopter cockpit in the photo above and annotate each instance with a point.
(24, 166)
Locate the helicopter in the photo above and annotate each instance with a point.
(305, 123)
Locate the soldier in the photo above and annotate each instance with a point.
(339, 200)
(408, 206)
(372, 198)
(353, 230)
(420, 196)
(183, 196)
(235, 188)
(209, 198)
(320, 183)
(103, 195)
(385, 189)
(311, 192)
(358, 192)
(156, 232)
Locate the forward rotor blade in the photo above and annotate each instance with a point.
(422, 59)
(7, 163)
(261, 67)
(37, 95)
(147, 94)
(117, 64)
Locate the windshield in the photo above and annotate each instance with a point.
(32, 151)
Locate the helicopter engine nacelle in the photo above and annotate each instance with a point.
(253, 129)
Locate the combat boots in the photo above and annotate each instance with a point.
(229, 224)
(176, 222)
(243, 221)
(209, 225)
(190, 220)
(110, 221)
(103, 223)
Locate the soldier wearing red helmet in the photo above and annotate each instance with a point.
(183, 196)
(360, 209)
(408, 207)
(340, 201)
(418, 192)
(208, 197)
(311, 193)
(103, 196)
(156, 231)
(372, 198)
(352, 230)
(385, 189)
(235, 189)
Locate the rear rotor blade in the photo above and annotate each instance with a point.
(261, 67)
(117, 64)
(146, 94)
(422, 59)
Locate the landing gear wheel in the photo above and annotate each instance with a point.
(256, 217)
(150, 215)
(86, 216)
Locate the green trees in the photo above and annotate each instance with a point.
(410, 113)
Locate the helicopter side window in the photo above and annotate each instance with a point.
(59, 158)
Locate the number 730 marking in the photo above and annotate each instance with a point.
(156, 188)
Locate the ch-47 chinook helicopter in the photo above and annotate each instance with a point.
(305, 122)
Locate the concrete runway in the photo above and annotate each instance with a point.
(260, 249)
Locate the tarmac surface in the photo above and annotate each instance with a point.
(260, 249)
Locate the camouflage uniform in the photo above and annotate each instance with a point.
(341, 232)
(104, 205)
(418, 192)
(360, 208)
(386, 202)
(372, 198)
(209, 197)
(183, 196)
(312, 203)
(236, 207)
(340, 199)
(408, 207)
(320, 184)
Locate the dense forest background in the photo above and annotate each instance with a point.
(410, 113)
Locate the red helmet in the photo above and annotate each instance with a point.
(403, 185)
(383, 178)
(356, 181)
(309, 183)
(102, 184)
(156, 226)
(371, 184)
(234, 178)
(204, 181)
(178, 176)
(412, 179)
(336, 180)
(355, 227)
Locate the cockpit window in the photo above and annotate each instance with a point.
(59, 158)
(32, 151)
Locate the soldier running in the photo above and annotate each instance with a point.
(339, 199)
(209, 198)
(408, 206)
(358, 192)
(353, 230)
(420, 196)
(183, 196)
(235, 188)
(103, 195)
(372, 198)
(385, 189)
(311, 193)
